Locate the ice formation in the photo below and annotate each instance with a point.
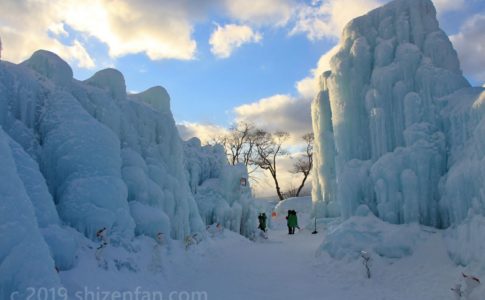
(78, 156)
(24, 251)
(398, 127)
(219, 193)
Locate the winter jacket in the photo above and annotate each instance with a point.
(292, 221)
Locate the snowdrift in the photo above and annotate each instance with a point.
(365, 232)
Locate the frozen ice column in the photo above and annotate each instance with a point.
(324, 189)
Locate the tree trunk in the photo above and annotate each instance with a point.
(278, 189)
(302, 184)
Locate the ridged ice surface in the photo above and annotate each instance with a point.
(398, 127)
(217, 188)
(77, 157)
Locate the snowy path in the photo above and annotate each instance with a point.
(286, 267)
(244, 270)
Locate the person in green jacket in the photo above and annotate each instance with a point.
(292, 221)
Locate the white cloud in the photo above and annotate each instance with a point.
(78, 52)
(470, 45)
(225, 39)
(278, 113)
(58, 29)
(23, 34)
(205, 132)
(327, 19)
(261, 12)
(161, 29)
(309, 87)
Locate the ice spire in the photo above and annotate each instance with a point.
(378, 116)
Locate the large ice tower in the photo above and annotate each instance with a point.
(399, 128)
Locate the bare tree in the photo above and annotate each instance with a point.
(238, 143)
(304, 164)
(268, 148)
(260, 149)
(248, 150)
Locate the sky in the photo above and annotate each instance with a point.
(222, 61)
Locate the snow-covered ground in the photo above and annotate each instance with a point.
(229, 266)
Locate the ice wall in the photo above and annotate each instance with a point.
(152, 165)
(462, 189)
(217, 188)
(21, 106)
(403, 120)
(82, 164)
(83, 156)
(62, 240)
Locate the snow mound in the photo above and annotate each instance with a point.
(300, 204)
(365, 232)
(466, 242)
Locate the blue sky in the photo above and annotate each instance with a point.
(206, 88)
(215, 86)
